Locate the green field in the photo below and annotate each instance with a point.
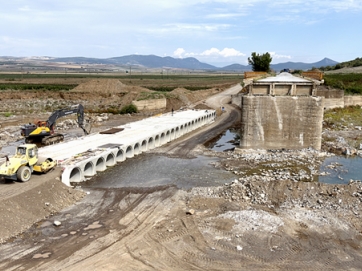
(156, 82)
(351, 83)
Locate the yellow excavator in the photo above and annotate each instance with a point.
(43, 131)
(24, 162)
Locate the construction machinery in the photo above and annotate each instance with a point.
(24, 162)
(43, 131)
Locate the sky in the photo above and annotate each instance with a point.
(217, 32)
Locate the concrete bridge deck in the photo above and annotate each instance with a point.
(84, 157)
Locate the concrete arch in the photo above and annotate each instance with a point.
(162, 139)
(76, 175)
(120, 157)
(182, 128)
(177, 132)
(129, 152)
(136, 149)
(157, 141)
(168, 136)
(151, 143)
(89, 169)
(101, 164)
(144, 146)
(202, 120)
(172, 134)
(110, 160)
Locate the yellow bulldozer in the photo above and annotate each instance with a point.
(21, 165)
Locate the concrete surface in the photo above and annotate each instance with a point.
(83, 158)
(281, 122)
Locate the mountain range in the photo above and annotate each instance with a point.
(190, 63)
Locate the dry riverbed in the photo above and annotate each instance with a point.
(272, 216)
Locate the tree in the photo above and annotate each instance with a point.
(260, 63)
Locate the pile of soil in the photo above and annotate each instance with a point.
(23, 204)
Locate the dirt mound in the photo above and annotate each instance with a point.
(23, 204)
(111, 86)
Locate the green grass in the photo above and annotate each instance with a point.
(7, 114)
(351, 83)
(339, 118)
(154, 95)
(36, 87)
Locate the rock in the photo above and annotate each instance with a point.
(190, 212)
(57, 223)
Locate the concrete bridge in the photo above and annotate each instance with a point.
(281, 112)
(84, 157)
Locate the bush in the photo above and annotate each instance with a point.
(128, 109)
(7, 114)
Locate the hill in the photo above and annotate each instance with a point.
(149, 62)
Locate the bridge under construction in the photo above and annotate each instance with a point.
(82, 158)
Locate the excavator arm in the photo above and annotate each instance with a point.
(77, 109)
(43, 131)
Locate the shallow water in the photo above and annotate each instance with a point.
(149, 170)
(341, 169)
(226, 141)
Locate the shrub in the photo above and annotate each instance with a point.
(128, 109)
(7, 114)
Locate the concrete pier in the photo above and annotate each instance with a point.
(84, 157)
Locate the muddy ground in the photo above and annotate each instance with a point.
(271, 217)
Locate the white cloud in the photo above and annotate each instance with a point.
(213, 52)
(179, 53)
(226, 52)
(214, 56)
(274, 55)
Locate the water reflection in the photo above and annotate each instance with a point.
(149, 170)
(226, 141)
(340, 169)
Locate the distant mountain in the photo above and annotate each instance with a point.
(152, 61)
(303, 66)
(237, 67)
(147, 61)
(190, 63)
(81, 60)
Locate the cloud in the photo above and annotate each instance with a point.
(226, 52)
(213, 52)
(179, 53)
(274, 55)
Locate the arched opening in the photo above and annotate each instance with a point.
(162, 139)
(110, 160)
(120, 156)
(157, 141)
(172, 134)
(89, 169)
(75, 175)
(100, 165)
(129, 152)
(136, 149)
(151, 143)
(144, 145)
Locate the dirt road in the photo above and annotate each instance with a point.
(244, 225)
